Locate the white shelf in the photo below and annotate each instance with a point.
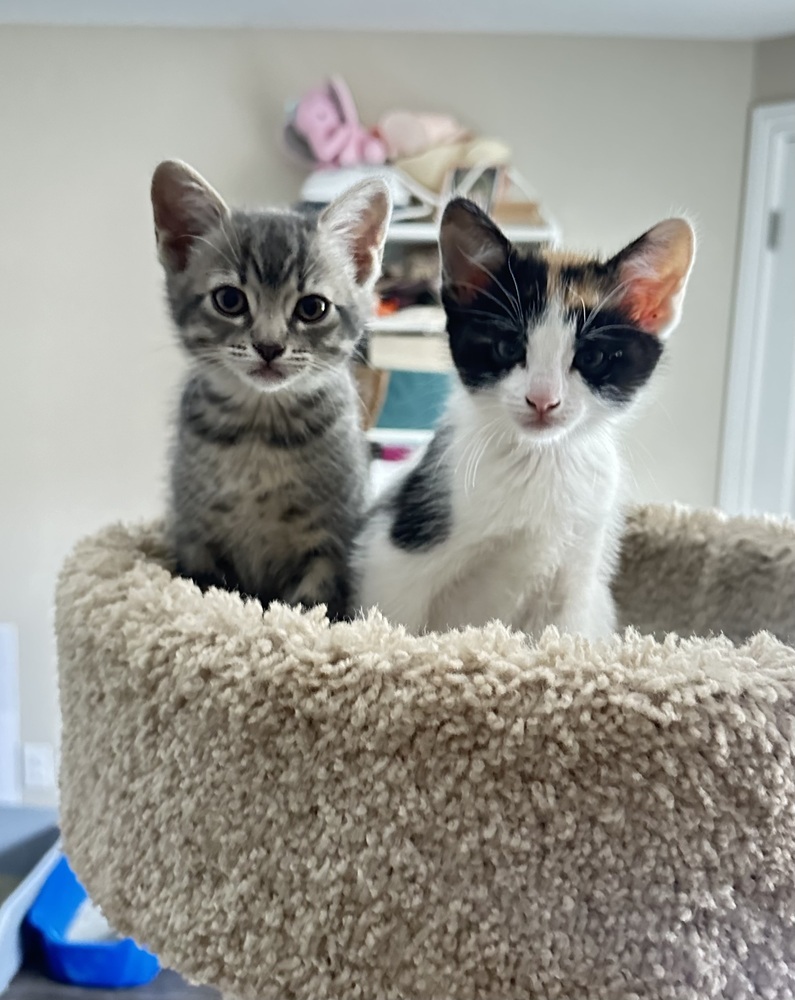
(412, 339)
(415, 320)
(428, 232)
(397, 436)
(396, 352)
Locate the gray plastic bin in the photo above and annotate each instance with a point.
(28, 852)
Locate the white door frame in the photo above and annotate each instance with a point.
(771, 125)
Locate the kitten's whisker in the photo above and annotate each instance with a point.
(514, 302)
(606, 301)
(573, 291)
(504, 306)
(516, 286)
(481, 454)
(218, 250)
(465, 454)
(468, 453)
(614, 326)
(364, 361)
(314, 367)
(648, 466)
(509, 326)
(228, 232)
(471, 459)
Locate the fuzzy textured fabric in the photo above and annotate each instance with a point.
(287, 809)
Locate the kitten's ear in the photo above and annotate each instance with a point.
(361, 217)
(652, 275)
(472, 248)
(185, 207)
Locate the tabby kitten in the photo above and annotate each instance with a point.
(513, 511)
(270, 464)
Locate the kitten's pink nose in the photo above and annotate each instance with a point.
(269, 352)
(542, 403)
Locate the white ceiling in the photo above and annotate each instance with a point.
(719, 19)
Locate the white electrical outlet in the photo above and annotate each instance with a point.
(38, 765)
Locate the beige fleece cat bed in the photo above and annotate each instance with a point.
(286, 809)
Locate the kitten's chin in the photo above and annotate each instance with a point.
(276, 377)
(543, 433)
(267, 378)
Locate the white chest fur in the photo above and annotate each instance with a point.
(532, 541)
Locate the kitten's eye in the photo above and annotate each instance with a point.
(509, 350)
(590, 358)
(311, 308)
(230, 301)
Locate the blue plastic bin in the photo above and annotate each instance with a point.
(105, 964)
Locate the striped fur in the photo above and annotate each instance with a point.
(269, 465)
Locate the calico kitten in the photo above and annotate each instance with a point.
(513, 511)
(270, 465)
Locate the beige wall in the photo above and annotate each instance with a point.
(774, 70)
(614, 134)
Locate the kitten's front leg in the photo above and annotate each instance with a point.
(587, 606)
(588, 611)
(323, 581)
(196, 562)
(401, 585)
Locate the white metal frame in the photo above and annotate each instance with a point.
(771, 125)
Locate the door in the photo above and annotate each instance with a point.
(758, 473)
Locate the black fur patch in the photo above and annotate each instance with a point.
(223, 577)
(294, 512)
(198, 423)
(221, 507)
(297, 427)
(422, 510)
(488, 335)
(337, 591)
(614, 358)
(227, 404)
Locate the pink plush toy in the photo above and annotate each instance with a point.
(327, 120)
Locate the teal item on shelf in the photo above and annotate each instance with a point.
(414, 400)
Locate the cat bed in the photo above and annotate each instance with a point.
(287, 809)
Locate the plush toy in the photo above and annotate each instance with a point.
(325, 120)
(407, 133)
(431, 169)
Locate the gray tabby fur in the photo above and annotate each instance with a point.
(269, 468)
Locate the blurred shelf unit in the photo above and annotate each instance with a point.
(428, 232)
(412, 321)
(413, 338)
(408, 332)
(415, 352)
